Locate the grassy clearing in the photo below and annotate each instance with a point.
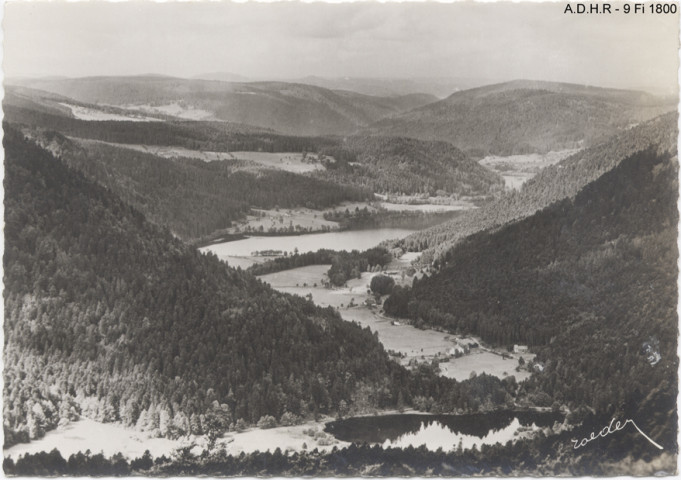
(487, 362)
(109, 439)
(291, 162)
(293, 282)
(97, 437)
(96, 115)
(307, 436)
(297, 277)
(413, 344)
(424, 203)
(175, 110)
(169, 152)
(242, 262)
(427, 207)
(297, 218)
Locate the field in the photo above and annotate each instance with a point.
(301, 281)
(517, 169)
(424, 203)
(175, 110)
(97, 437)
(487, 362)
(291, 162)
(110, 438)
(427, 207)
(170, 152)
(413, 344)
(96, 115)
(242, 262)
(291, 438)
(304, 218)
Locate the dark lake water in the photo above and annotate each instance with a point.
(440, 431)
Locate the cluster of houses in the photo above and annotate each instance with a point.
(463, 347)
(536, 366)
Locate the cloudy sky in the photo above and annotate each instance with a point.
(499, 41)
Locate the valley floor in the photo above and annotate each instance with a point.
(412, 344)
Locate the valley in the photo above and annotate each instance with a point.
(396, 270)
(409, 346)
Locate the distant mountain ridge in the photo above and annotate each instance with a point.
(525, 117)
(437, 87)
(288, 108)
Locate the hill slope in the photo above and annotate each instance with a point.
(552, 184)
(289, 108)
(108, 315)
(191, 197)
(409, 166)
(525, 117)
(589, 282)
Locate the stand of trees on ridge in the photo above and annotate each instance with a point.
(344, 265)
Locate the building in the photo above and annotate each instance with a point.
(519, 348)
(457, 350)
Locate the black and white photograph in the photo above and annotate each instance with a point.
(371, 239)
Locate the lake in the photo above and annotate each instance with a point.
(441, 431)
(347, 240)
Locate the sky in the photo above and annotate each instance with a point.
(500, 41)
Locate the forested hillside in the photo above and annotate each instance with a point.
(194, 135)
(404, 165)
(105, 311)
(191, 197)
(375, 164)
(589, 282)
(525, 117)
(553, 183)
(109, 316)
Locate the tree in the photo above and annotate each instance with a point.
(267, 421)
(342, 409)
(288, 419)
(382, 284)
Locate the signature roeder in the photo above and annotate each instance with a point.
(608, 429)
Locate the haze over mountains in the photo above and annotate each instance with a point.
(525, 116)
(502, 119)
(288, 108)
